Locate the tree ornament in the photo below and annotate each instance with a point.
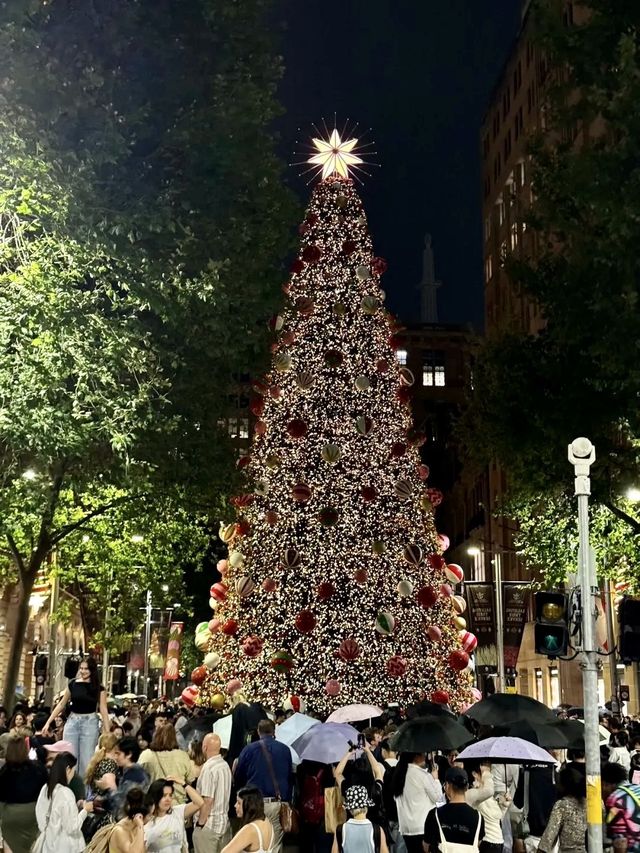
(275, 392)
(243, 461)
(242, 501)
(364, 424)
(468, 641)
(403, 394)
(339, 309)
(305, 305)
(243, 528)
(325, 591)
(311, 254)
(396, 666)
(312, 219)
(297, 428)
(378, 266)
(440, 697)
(403, 489)
(349, 649)
(236, 559)
(202, 628)
(190, 695)
(328, 516)
(333, 358)
(406, 376)
(405, 589)
(199, 675)
(301, 493)
(378, 547)
(332, 687)
(215, 625)
(459, 604)
(382, 365)
(416, 437)
(385, 623)
(260, 386)
(362, 383)
(445, 590)
(256, 406)
(331, 453)
(361, 576)
(363, 273)
(230, 627)
(458, 660)
(233, 686)
(217, 701)
(227, 532)
(212, 660)
(443, 542)
(361, 220)
(252, 646)
(341, 201)
(297, 266)
(412, 554)
(282, 362)
(245, 586)
(454, 573)
(427, 597)
(395, 341)
(436, 561)
(213, 603)
(434, 633)
(271, 517)
(305, 621)
(435, 497)
(260, 428)
(460, 622)
(398, 449)
(269, 585)
(273, 461)
(348, 247)
(368, 494)
(369, 305)
(282, 661)
(218, 592)
(291, 559)
(304, 381)
(202, 641)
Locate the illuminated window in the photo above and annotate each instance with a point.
(401, 356)
(514, 236)
(433, 369)
(554, 685)
(232, 427)
(243, 427)
(539, 686)
(502, 211)
(488, 269)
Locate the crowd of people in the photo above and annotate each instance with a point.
(156, 779)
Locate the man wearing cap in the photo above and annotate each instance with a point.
(456, 823)
(76, 784)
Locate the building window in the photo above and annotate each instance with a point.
(232, 427)
(529, 53)
(514, 236)
(531, 97)
(520, 173)
(517, 77)
(539, 686)
(507, 145)
(567, 17)
(243, 427)
(488, 269)
(401, 356)
(497, 167)
(502, 211)
(487, 228)
(506, 103)
(519, 123)
(487, 186)
(433, 372)
(554, 684)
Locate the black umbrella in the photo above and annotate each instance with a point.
(426, 734)
(504, 708)
(433, 709)
(552, 735)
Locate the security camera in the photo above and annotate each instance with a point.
(582, 452)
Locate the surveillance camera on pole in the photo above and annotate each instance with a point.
(582, 455)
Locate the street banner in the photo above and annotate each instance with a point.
(482, 620)
(172, 668)
(515, 598)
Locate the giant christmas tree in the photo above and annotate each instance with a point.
(335, 588)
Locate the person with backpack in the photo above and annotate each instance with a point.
(126, 836)
(389, 763)
(358, 834)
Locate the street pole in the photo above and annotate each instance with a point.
(53, 632)
(611, 644)
(147, 642)
(497, 579)
(105, 645)
(582, 455)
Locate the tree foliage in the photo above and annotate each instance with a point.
(581, 375)
(142, 222)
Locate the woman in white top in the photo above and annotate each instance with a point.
(164, 829)
(256, 835)
(416, 791)
(482, 798)
(618, 752)
(59, 820)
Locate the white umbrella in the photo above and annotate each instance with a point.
(222, 728)
(506, 750)
(354, 713)
(294, 727)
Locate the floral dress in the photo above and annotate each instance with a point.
(107, 765)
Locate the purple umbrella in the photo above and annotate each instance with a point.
(326, 742)
(506, 750)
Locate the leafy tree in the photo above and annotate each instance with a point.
(580, 375)
(142, 221)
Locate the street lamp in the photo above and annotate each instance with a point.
(474, 551)
(30, 474)
(633, 494)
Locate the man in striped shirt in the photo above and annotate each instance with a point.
(212, 829)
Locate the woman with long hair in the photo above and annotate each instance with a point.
(18, 725)
(256, 834)
(165, 828)
(164, 759)
(568, 820)
(197, 757)
(86, 698)
(100, 779)
(59, 820)
(416, 790)
(20, 783)
(128, 834)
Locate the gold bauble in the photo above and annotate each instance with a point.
(217, 701)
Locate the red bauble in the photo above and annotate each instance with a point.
(297, 266)
(303, 228)
(458, 660)
(199, 675)
(348, 247)
(301, 493)
(398, 449)
(243, 461)
(252, 646)
(230, 627)
(434, 633)
(260, 428)
(305, 305)
(403, 393)
(218, 592)
(297, 428)
(312, 219)
(349, 649)
(396, 666)
(271, 517)
(436, 561)
(288, 338)
(305, 621)
(382, 365)
(243, 500)
(440, 697)
(325, 590)
(445, 590)
(435, 496)
(361, 576)
(275, 392)
(416, 438)
(311, 254)
(368, 493)
(427, 596)
(395, 342)
(423, 472)
(332, 687)
(256, 406)
(378, 266)
(269, 585)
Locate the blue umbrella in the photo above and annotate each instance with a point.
(293, 728)
(326, 742)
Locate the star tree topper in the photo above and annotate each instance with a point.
(335, 156)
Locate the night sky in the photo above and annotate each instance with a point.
(420, 74)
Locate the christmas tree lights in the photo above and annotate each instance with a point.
(335, 589)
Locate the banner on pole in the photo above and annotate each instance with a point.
(515, 596)
(482, 620)
(172, 667)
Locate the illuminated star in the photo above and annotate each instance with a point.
(335, 156)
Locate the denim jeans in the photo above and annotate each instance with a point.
(82, 731)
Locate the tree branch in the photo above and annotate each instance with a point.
(70, 528)
(17, 556)
(623, 516)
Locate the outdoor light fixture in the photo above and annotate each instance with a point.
(31, 474)
(633, 494)
(137, 537)
(473, 551)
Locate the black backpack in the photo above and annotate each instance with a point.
(376, 836)
(388, 800)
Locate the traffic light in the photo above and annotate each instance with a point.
(40, 669)
(629, 621)
(551, 628)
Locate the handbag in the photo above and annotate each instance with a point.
(334, 811)
(289, 819)
(38, 844)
